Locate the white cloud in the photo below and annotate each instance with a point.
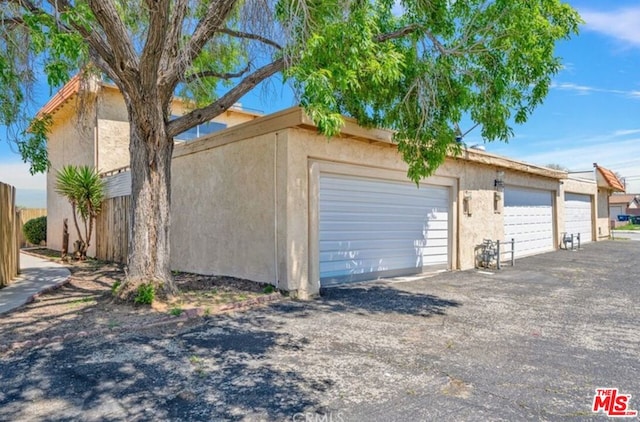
(17, 175)
(586, 90)
(626, 132)
(620, 24)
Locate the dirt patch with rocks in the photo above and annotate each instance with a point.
(86, 302)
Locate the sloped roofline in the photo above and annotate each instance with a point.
(72, 87)
(611, 180)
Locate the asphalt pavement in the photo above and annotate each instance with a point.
(530, 342)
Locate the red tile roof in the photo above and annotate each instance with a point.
(67, 91)
(621, 199)
(612, 180)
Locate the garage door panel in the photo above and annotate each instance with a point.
(362, 269)
(391, 244)
(578, 216)
(528, 218)
(370, 228)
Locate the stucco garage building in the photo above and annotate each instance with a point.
(271, 200)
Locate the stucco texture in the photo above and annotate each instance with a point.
(223, 210)
(69, 143)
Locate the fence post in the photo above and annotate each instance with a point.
(498, 254)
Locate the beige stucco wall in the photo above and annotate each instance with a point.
(247, 205)
(68, 143)
(113, 144)
(603, 228)
(223, 218)
(306, 147)
(113, 127)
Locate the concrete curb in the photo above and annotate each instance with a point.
(187, 315)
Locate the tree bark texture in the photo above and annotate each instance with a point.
(150, 151)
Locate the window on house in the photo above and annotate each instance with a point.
(199, 130)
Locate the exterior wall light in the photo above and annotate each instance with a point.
(466, 202)
(499, 182)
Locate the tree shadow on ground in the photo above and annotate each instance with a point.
(211, 372)
(384, 298)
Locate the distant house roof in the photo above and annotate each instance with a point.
(622, 199)
(610, 179)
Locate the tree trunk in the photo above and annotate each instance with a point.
(149, 252)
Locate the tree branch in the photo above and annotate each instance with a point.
(215, 17)
(126, 61)
(153, 48)
(249, 36)
(397, 34)
(11, 22)
(213, 74)
(201, 115)
(98, 47)
(172, 47)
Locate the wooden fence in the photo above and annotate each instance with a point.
(9, 227)
(112, 230)
(25, 215)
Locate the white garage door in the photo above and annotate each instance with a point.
(372, 228)
(578, 217)
(528, 218)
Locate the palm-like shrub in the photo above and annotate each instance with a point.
(84, 189)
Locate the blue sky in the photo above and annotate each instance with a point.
(592, 113)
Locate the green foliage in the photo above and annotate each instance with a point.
(145, 294)
(33, 146)
(82, 186)
(35, 230)
(176, 311)
(115, 287)
(84, 189)
(421, 71)
(268, 289)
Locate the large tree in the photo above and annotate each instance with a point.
(415, 66)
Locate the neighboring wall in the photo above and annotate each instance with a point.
(222, 213)
(9, 227)
(603, 229)
(25, 215)
(69, 143)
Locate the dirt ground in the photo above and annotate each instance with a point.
(86, 303)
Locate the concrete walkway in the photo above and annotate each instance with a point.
(36, 276)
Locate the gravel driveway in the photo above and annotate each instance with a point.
(531, 342)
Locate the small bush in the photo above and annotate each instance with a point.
(35, 230)
(176, 311)
(146, 294)
(268, 289)
(115, 286)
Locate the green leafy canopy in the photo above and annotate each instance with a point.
(417, 67)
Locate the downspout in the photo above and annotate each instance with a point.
(275, 210)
